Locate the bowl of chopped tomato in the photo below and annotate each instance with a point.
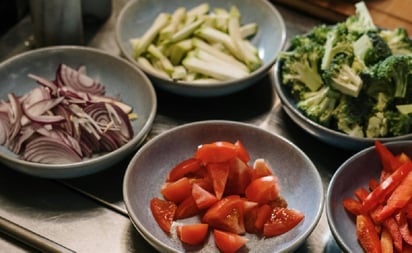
(221, 185)
(368, 203)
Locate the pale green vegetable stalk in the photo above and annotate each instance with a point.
(179, 50)
(145, 63)
(248, 30)
(165, 64)
(161, 21)
(186, 31)
(176, 19)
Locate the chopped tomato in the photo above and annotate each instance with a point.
(242, 152)
(281, 221)
(203, 198)
(219, 172)
(217, 152)
(192, 234)
(263, 190)
(261, 169)
(177, 191)
(367, 235)
(239, 177)
(163, 211)
(187, 208)
(228, 242)
(263, 215)
(184, 168)
(226, 214)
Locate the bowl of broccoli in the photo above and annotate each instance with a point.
(349, 83)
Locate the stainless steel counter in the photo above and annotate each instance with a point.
(88, 214)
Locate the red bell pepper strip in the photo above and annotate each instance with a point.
(404, 227)
(388, 159)
(367, 235)
(392, 227)
(352, 205)
(398, 198)
(385, 188)
(386, 241)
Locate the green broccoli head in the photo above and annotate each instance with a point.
(398, 123)
(319, 105)
(377, 125)
(348, 117)
(371, 48)
(395, 70)
(342, 76)
(361, 21)
(398, 40)
(300, 67)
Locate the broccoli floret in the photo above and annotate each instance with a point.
(377, 125)
(398, 123)
(336, 43)
(397, 40)
(301, 66)
(361, 21)
(348, 117)
(395, 70)
(371, 48)
(342, 76)
(319, 105)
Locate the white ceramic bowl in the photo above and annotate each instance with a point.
(121, 78)
(137, 16)
(299, 180)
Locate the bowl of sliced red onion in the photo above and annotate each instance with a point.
(70, 111)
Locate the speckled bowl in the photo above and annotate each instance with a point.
(121, 78)
(137, 16)
(299, 180)
(352, 174)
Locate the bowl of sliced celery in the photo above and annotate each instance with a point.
(201, 48)
(348, 84)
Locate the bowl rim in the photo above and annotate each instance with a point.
(317, 129)
(126, 148)
(160, 245)
(334, 181)
(257, 73)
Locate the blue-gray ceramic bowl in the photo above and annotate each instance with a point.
(352, 174)
(121, 78)
(330, 136)
(299, 180)
(137, 16)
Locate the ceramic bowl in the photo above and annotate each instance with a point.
(299, 180)
(352, 174)
(137, 16)
(121, 78)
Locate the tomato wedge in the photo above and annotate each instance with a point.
(239, 177)
(242, 152)
(184, 168)
(219, 173)
(164, 212)
(227, 214)
(281, 221)
(187, 208)
(263, 189)
(192, 234)
(177, 191)
(217, 152)
(261, 169)
(228, 242)
(203, 198)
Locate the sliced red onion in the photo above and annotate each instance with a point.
(46, 83)
(78, 81)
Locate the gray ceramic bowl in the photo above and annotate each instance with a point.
(137, 16)
(120, 77)
(323, 133)
(352, 174)
(299, 180)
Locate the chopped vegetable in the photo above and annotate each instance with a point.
(230, 197)
(170, 47)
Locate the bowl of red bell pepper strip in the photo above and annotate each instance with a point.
(369, 199)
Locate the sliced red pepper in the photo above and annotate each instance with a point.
(386, 242)
(404, 227)
(367, 235)
(352, 205)
(361, 193)
(385, 188)
(392, 227)
(399, 197)
(388, 161)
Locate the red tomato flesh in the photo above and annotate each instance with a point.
(263, 190)
(163, 211)
(184, 168)
(203, 198)
(228, 242)
(177, 191)
(192, 234)
(281, 220)
(217, 152)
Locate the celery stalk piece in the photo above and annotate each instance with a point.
(198, 10)
(145, 63)
(212, 70)
(248, 30)
(134, 42)
(212, 59)
(161, 21)
(213, 35)
(205, 81)
(200, 44)
(248, 56)
(186, 31)
(179, 73)
(176, 19)
(156, 53)
(179, 50)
